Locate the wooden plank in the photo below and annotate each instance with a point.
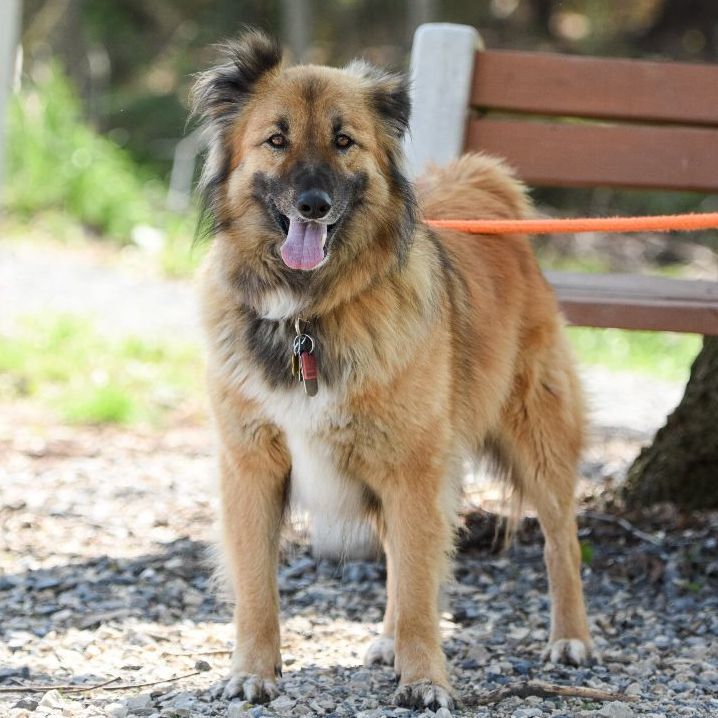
(442, 66)
(553, 84)
(635, 302)
(582, 154)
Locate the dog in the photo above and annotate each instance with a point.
(357, 358)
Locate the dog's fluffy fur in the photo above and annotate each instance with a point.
(432, 347)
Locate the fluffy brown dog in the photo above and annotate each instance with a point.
(429, 347)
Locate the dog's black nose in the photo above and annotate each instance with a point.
(314, 203)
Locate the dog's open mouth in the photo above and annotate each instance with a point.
(305, 246)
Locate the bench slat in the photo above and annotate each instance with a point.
(636, 302)
(553, 84)
(575, 154)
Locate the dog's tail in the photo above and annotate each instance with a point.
(476, 186)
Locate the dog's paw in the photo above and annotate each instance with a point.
(423, 694)
(571, 651)
(252, 688)
(381, 652)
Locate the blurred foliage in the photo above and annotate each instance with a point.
(59, 163)
(63, 363)
(56, 161)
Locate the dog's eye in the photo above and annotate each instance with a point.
(343, 142)
(279, 141)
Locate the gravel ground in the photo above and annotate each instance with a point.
(104, 574)
(103, 551)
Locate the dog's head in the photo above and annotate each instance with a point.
(303, 169)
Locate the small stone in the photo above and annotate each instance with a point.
(52, 699)
(443, 713)
(299, 567)
(116, 710)
(615, 709)
(527, 713)
(633, 689)
(184, 700)
(238, 710)
(282, 703)
(202, 666)
(138, 703)
(320, 707)
(28, 704)
(361, 679)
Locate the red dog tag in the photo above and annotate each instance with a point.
(308, 365)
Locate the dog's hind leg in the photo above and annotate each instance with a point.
(541, 438)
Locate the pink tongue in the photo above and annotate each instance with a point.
(304, 246)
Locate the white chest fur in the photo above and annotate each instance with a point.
(332, 499)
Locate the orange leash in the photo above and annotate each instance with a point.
(656, 223)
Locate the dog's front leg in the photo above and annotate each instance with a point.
(418, 540)
(253, 491)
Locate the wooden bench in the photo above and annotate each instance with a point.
(570, 121)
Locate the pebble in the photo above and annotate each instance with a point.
(28, 704)
(52, 699)
(116, 710)
(615, 709)
(139, 702)
(238, 709)
(527, 713)
(282, 703)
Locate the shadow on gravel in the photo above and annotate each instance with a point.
(679, 568)
(172, 585)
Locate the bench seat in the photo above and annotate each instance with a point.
(627, 301)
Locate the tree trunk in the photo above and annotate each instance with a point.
(681, 466)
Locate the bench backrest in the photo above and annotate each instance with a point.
(565, 120)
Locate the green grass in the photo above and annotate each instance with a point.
(665, 355)
(64, 364)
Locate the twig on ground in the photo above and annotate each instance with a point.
(625, 525)
(126, 686)
(69, 688)
(545, 690)
(105, 685)
(218, 652)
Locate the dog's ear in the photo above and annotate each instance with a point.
(220, 93)
(393, 102)
(218, 98)
(389, 94)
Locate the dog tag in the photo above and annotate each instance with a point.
(295, 366)
(308, 367)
